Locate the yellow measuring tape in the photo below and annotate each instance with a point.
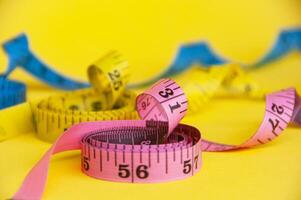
(108, 98)
(109, 76)
(202, 84)
(54, 115)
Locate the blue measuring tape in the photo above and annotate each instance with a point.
(11, 92)
(19, 54)
(200, 53)
(287, 41)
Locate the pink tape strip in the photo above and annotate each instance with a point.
(282, 108)
(139, 151)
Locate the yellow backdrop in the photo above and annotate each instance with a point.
(71, 34)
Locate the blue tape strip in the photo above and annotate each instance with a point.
(198, 53)
(188, 55)
(19, 54)
(11, 92)
(287, 41)
(201, 54)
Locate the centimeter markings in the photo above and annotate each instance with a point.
(130, 163)
(56, 115)
(279, 113)
(278, 110)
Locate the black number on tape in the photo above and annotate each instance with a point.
(145, 104)
(278, 109)
(187, 167)
(115, 78)
(196, 158)
(146, 142)
(124, 172)
(173, 107)
(86, 163)
(142, 172)
(274, 123)
(165, 94)
(73, 107)
(96, 106)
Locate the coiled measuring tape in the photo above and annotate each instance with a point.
(107, 100)
(156, 148)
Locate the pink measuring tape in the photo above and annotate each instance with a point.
(154, 149)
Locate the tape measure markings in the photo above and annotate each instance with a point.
(279, 112)
(141, 158)
(51, 119)
(163, 96)
(109, 77)
(224, 81)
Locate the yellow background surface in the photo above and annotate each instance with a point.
(71, 34)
